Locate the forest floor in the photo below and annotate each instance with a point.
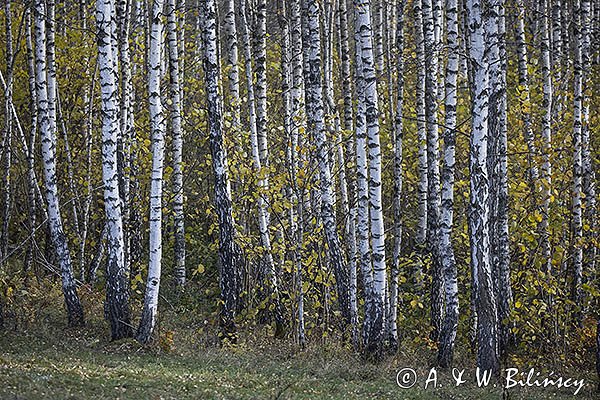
(44, 360)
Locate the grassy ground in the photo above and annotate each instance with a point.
(46, 360)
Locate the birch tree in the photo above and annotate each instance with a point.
(433, 170)
(582, 13)
(175, 91)
(422, 218)
(391, 320)
(448, 263)
(497, 164)
(374, 325)
(525, 99)
(267, 270)
(316, 127)
(32, 185)
(6, 145)
(587, 164)
(348, 125)
(297, 103)
(485, 301)
(117, 284)
(45, 85)
(261, 82)
(157, 127)
(230, 254)
(231, 57)
(122, 9)
(546, 140)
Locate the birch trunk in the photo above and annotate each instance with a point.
(348, 125)
(271, 285)
(231, 58)
(497, 166)
(316, 127)
(117, 284)
(47, 121)
(6, 148)
(126, 131)
(587, 164)
(157, 127)
(422, 218)
(261, 82)
(433, 170)
(546, 141)
(581, 8)
(450, 325)
(374, 325)
(485, 301)
(391, 324)
(230, 254)
(525, 99)
(176, 112)
(31, 175)
(297, 124)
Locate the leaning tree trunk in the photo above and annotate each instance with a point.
(177, 138)
(485, 302)
(230, 254)
(117, 285)
(450, 324)
(157, 126)
(376, 297)
(47, 121)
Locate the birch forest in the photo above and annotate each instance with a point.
(387, 182)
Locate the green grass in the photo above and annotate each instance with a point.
(45, 360)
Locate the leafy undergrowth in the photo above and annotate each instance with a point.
(43, 359)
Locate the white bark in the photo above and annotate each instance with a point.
(392, 317)
(431, 33)
(117, 285)
(45, 80)
(546, 141)
(157, 127)
(350, 231)
(485, 302)
(231, 58)
(230, 254)
(316, 126)
(525, 99)
(421, 234)
(450, 324)
(6, 145)
(176, 112)
(376, 297)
